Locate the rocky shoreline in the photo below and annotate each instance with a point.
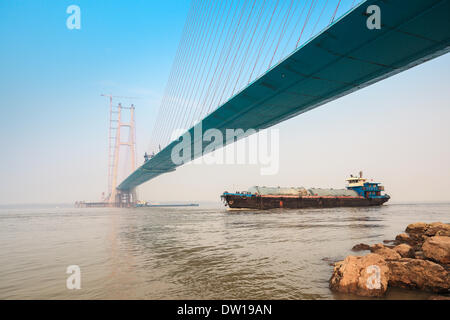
(417, 259)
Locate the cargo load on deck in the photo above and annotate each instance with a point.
(278, 191)
(301, 191)
(332, 192)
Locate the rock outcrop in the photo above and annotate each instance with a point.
(361, 247)
(404, 238)
(437, 248)
(404, 250)
(417, 229)
(419, 260)
(418, 233)
(438, 229)
(385, 252)
(419, 274)
(365, 276)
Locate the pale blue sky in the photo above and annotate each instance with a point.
(53, 131)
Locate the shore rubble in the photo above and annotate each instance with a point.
(417, 259)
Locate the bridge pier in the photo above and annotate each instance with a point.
(126, 198)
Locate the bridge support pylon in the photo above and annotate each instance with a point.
(115, 197)
(126, 198)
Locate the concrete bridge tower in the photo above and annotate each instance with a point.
(116, 143)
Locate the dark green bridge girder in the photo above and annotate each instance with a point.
(343, 58)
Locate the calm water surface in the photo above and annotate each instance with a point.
(191, 253)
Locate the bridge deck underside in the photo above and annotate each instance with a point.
(343, 58)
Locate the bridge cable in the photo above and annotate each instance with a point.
(321, 13)
(230, 47)
(200, 107)
(213, 81)
(185, 119)
(295, 28)
(262, 67)
(176, 81)
(180, 123)
(191, 120)
(288, 26)
(306, 22)
(256, 46)
(335, 11)
(230, 71)
(221, 82)
(161, 110)
(242, 60)
(246, 55)
(283, 29)
(184, 82)
(264, 39)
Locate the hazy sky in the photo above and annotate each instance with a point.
(54, 126)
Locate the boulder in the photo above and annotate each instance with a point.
(418, 274)
(416, 228)
(364, 276)
(404, 238)
(437, 248)
(438, 229)
(376, 247)
(404, 250)
(385, 252)
(416, 232)
(420, 259)
(420, 232)
(361, 247)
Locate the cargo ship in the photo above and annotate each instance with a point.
(359, 193)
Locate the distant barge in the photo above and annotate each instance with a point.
(139, 204)
(148, 204)
(359, 193)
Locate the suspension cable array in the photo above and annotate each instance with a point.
(224, 46)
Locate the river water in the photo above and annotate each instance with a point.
(191, 253)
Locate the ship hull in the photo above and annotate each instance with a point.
(273, 202)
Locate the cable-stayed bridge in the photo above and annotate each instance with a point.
(348, 54)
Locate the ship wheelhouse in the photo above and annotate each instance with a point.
(369, 190)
